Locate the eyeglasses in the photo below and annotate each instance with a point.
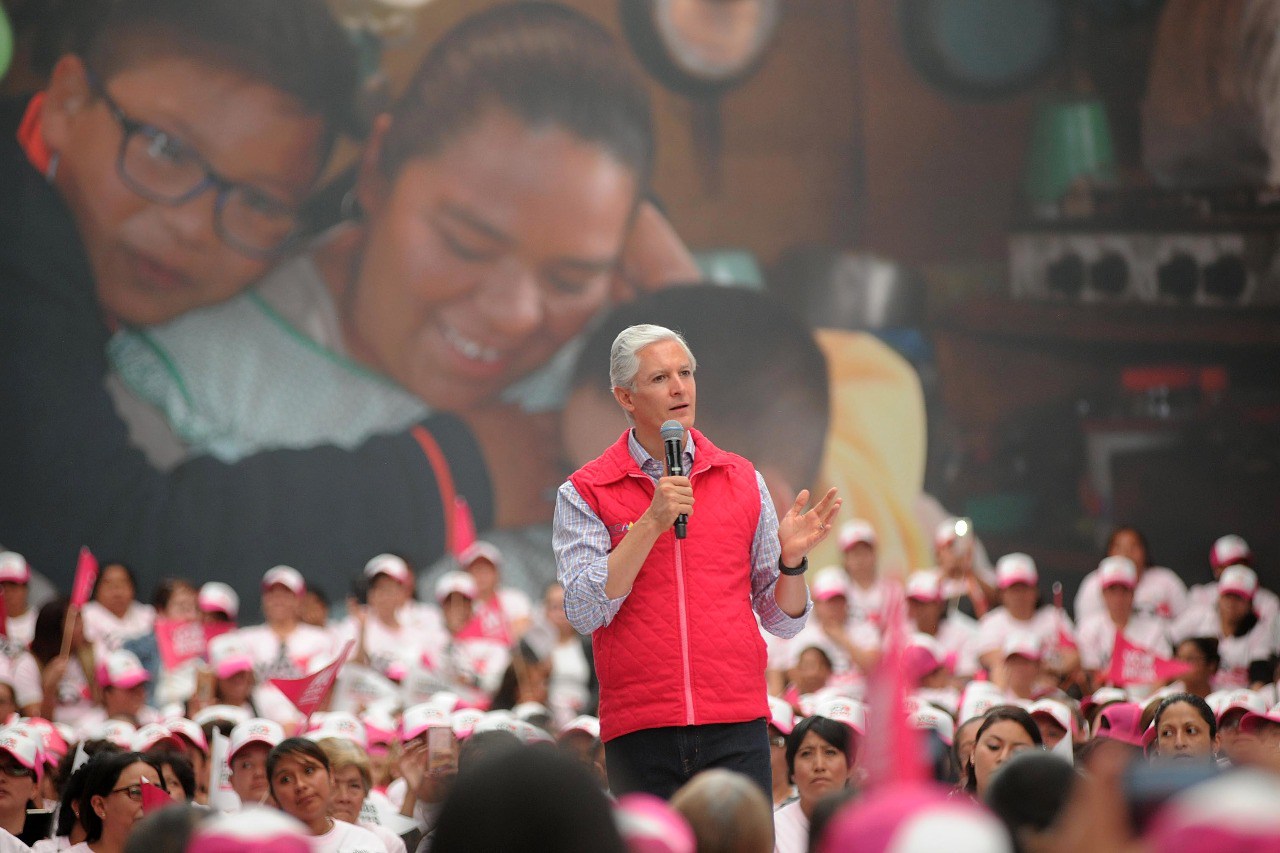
(162, 168)
(17, 771)
(133, 792)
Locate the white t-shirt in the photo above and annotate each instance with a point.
(385, 646)
(956, 635)
(790, 829)
(1236, 653)
(19, 666)
(996, 626)
(108, 632)
(304, 651)
(866, 604)
(1160, 593)
(1265, 602)
(1097, 637)
(347, 838)
(22, 628)
(567, 691)
(9, 843)
(393, 842)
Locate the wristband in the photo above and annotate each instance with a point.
(795, 571)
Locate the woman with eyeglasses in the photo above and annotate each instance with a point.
(19, 783)
(111, 802)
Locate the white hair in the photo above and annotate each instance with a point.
(624, 356)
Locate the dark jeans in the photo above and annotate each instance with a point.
(659, 761)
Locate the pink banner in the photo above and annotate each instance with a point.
(86, 576)
(179, 641)
(308, 693)
(1133, 664)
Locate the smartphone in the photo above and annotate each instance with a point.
(439, 748)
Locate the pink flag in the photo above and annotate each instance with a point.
(178, 641)
(86, 576)
(308, 693)
(154, 797)
(463, 533)
(892, 750)
(1133, 664)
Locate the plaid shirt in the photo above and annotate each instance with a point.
(582, 546)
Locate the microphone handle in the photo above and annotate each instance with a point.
(675, 468)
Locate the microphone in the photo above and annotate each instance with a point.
(673, 442)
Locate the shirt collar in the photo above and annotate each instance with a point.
(654, 467)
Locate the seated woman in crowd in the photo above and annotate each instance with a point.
(1246, 642)
(111, 802)
(1005, 731)
(1158, 592)
(301, 781)
(113, 614)
(820, 760)
(1185, 729)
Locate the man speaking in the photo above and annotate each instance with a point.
(679, 658)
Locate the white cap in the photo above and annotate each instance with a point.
(945, 532)
(529, 733)
(221, 713)
(480, 550)
(255, 730)
(498, 721)
(928, 717)
(925, 585)
(451, 582)
(14, 568)
(584, 723)
(418, 718)
(150, 735)
(1228, 551)
(855, 531)
(1016, 568)
(828, 582)
(1242, 699)
(285, 576)
(228, 655)
(24, 749)
(1024, 644)
(781, 715)
(189, 731)
(851, 712)
(217, 597)
(1238, 580)
(1054, 710)
(122, 669)
(978, 698)
(391, 566)
(119, 732)
(528, 710)
(253, 829)
(464, 720)
(1118, 571)
(338, 724)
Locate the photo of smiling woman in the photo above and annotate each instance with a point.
(302, 785)
(819, 759)
(485, 228)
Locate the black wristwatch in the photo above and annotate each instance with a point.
(797, 570)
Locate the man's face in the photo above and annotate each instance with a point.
(664, 388)
(153, 261)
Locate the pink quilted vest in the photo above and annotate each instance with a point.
(684, 648)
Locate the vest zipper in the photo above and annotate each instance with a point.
(684, 634)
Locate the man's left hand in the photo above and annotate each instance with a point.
(800, 531)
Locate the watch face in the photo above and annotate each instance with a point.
(716, 39)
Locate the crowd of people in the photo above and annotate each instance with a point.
(1019, 717)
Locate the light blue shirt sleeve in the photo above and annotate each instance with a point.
(581, 544)
(765, 551)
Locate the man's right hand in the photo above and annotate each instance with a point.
(672, 497)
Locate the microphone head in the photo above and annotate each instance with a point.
(672, 431)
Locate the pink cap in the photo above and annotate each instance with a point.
(52, 742)
(285, 576)
(1228, 551)
(915, 818)
(418, 718)
(14, 568)
(828, 583)
(1121, 721)
(1118, 571)
(1241, 699)
(1253, 720)
(23, 749)
(921, 656)
(480, 550)
(649, 825)
(251, 830)
(781, 715)
(228, 656)
(122, 669)
(391, 566)
(1238, 580)
(851, 712)
(217, 597)
(338, 724)
(1023, 644)
(152, 735)
(854, 532)
(451, 582)
(925, 585)
(463, 721)
(1233, 812)
(1016, 568)
(928, 717)
(1054, 710)
(188, 731)
(379, 726)
(256, 730)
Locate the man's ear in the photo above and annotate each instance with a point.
(64, 98)
(623, 396)
(372, 185)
